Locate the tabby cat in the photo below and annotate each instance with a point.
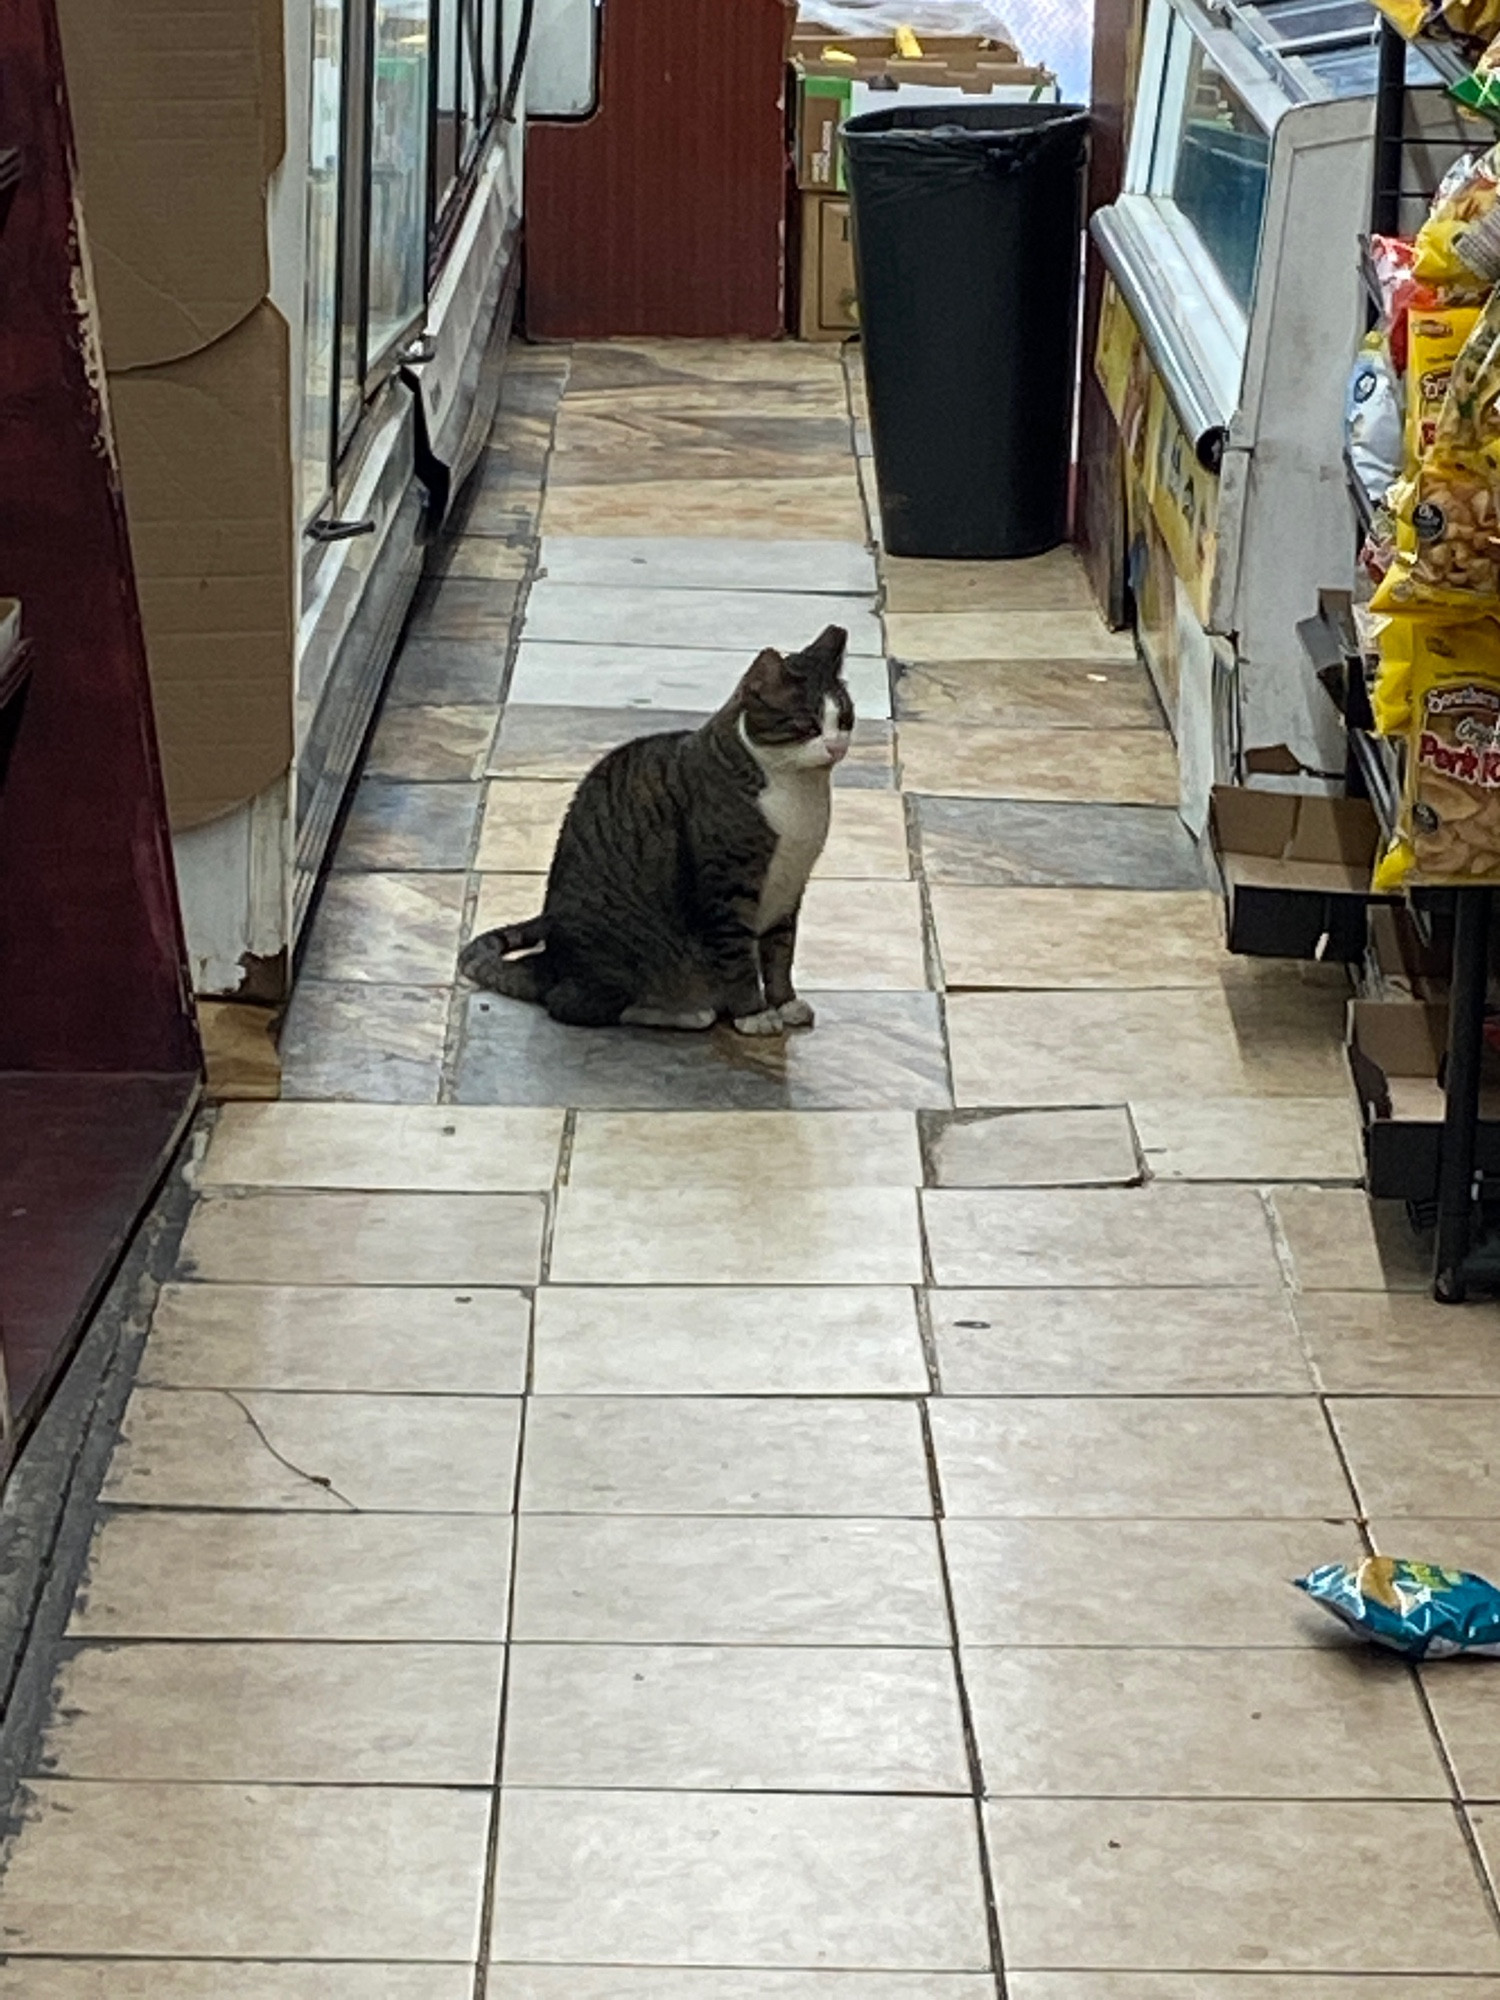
(679, 870)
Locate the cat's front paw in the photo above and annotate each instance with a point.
(796, 1014)
(767, 1022)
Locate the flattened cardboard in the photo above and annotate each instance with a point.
(1396, 1048)
(208, 493)
(179, 119)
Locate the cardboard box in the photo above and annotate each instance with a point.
(821, 106)
(1396, 1051)
(828, 306)
(1296, 870)
(178, 112)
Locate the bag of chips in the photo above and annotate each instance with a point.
(1420, 1609)
(1373, 417)
(1468, 20)
(1470, 416)
(1440, 687)
(1441, 257)
(1435, 340)
(1447, 541)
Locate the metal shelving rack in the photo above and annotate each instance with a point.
(1462, 1257)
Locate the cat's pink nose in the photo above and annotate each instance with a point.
(838, 749)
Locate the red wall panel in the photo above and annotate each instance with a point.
(663, 214)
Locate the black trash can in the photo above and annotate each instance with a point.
(968, 231)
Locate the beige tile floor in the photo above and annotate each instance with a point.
(566, 1550)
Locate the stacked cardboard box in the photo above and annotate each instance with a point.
(835, 78)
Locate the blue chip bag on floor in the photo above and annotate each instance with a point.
(1415, 1608)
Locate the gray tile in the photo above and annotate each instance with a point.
(735, 1718)
(652, 1581)
(387, 929)
(724, 1455)
(283, 1871)
(665, 1982)
(451, 607)
(709, 563)
(693, 1878)
(371, 1044)
(1005, 841)
(308, 1979)
(432, 743)
(398, 824)
(280, 1237)
(1235, 1986)
(159, 1575)
(875, 1051)
(992, 1149)
(745, 620)
(677, 679)
(1030, 694)
(446, 673)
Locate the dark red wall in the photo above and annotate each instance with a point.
(663, 213)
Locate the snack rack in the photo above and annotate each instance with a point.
(1462, 1256)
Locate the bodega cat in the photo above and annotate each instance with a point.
(680, 867)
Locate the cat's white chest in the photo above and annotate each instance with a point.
(797, 806)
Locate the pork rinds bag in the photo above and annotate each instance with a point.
(1464, 202)
(1469, 420)
(1450, 811)
(1447, 540)
(1435, 340)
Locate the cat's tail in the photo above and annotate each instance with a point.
(489, 960)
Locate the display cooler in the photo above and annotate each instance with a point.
(1232, 304)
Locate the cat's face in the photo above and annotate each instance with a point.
(795, 708)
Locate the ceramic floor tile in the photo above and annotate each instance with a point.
(1008, 634)
(1204, 1457)
(1456, 1543)
(1134, 767)
(676, 676)
(237, 1870)
(1100, 1236)
(741, 1718)
(246, 1979)
(701, 563)
(684, 1878)
(1275, 1724)
(1006, 841)
(744, 621)
(771, 510)
(386, 929)
(1340, 1241)
(436, 1149)
(521, 821)
(1414, 1455)
(1250, 1138)
(284, 1238)
(396, 1340)
(1244, 1986)
(727, 1340)
(796, 1236)
(651, 416)
(856, 936)
(556, 743)
(1179, 1583)
(379, 1044)
(1117, 1343)
(867, 840)
(1053, 582)
(447, 673)
(431, 743)
(361, 1453)
(724, 445)
(1032, 1148)
(296, 1576)
(480, 558)
(658, 1982)
(1036, 1049)
(682, 367)
(277, 1715)
(1030, 694)
(1398, 1344)
(464, 608)
(506, 899)
(877, 1051)
(588, 1580)
(744, 1149)
(1112, 938)
(1214, 1885)
(683, 1455)
(397, 824)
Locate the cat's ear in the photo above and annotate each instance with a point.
(764, 673)
(824, 656)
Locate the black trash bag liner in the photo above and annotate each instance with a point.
(968, 233)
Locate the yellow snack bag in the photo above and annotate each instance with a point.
(1407, 16)
(1390, 700)
(1470, 416)
(1475, 20)
(1447, 541)
(1450, 808)
(1435, 340)
(1467, 196)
